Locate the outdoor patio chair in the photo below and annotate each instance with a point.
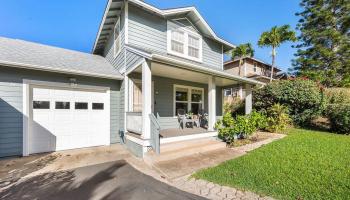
(202, 117)
(182, 118)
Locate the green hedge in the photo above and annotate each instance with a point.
(339, 116)
(303, 98)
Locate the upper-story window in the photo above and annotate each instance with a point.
(255, 67)
(185, 43)
(117, 40)
(177, 41)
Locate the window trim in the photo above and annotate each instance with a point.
(186, 32)
(118, 39)
(189, 98)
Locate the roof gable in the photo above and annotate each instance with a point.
(191, 13)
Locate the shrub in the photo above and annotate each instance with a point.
(225, 128)
(244, 126)
(241, 126)
(278, 119)
(302, 97)
(259, 120)
(339, 116)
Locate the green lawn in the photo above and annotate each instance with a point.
(305, 164)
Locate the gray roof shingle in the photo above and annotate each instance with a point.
(20, 53)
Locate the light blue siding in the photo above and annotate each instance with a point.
(132, 59)
(135, 148)
(11, 91)
(149, 32)
(11, 125)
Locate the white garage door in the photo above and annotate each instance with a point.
(67, 119)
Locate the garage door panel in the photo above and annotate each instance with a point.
(65, 127)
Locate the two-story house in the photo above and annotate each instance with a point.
(251, 67)
(147, 65)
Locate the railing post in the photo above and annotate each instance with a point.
(155, 133)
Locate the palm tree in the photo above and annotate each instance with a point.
(274, 38)
(242, 51)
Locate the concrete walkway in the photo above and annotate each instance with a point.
(175, 170)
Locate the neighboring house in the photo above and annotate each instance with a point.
(145, 62)
(251, 68)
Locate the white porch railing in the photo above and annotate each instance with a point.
(134, 122)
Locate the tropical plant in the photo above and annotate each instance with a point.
(324, 51)
(274, 38)
(242, 51)
(303, 98)
(278, 119)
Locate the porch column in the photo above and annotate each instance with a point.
(240, 92)
(211, 103)
(146, 100)
(248, 99)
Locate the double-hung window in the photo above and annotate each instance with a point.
(117, 40)
(177, 41)
(184, 43)
(193, 46)
(188, 98)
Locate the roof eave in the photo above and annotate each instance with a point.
(55, 70)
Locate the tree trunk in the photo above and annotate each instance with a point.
(273, 62)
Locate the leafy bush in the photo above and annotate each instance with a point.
(339, 116)
(241, 126)
(225, 128)
(302, 97)
(259, 120)
(278, 119)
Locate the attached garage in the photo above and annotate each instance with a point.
(64, 118)
(54, 99)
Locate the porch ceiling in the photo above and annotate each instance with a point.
(168, 71)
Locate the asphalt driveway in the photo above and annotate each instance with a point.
(112, 180)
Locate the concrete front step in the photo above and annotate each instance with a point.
(176, 150)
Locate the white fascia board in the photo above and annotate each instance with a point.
(65, 71)
(101, 25)
(205, 70)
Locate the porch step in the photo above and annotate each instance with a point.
(176, 150)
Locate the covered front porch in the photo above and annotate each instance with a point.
(157, 90)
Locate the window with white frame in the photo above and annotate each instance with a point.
(193, 46)
(185, 43)
(117, 40)
(255, 66)
(227, 92)
(177, 41)
(190, 99)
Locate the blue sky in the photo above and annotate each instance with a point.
(74, 24)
